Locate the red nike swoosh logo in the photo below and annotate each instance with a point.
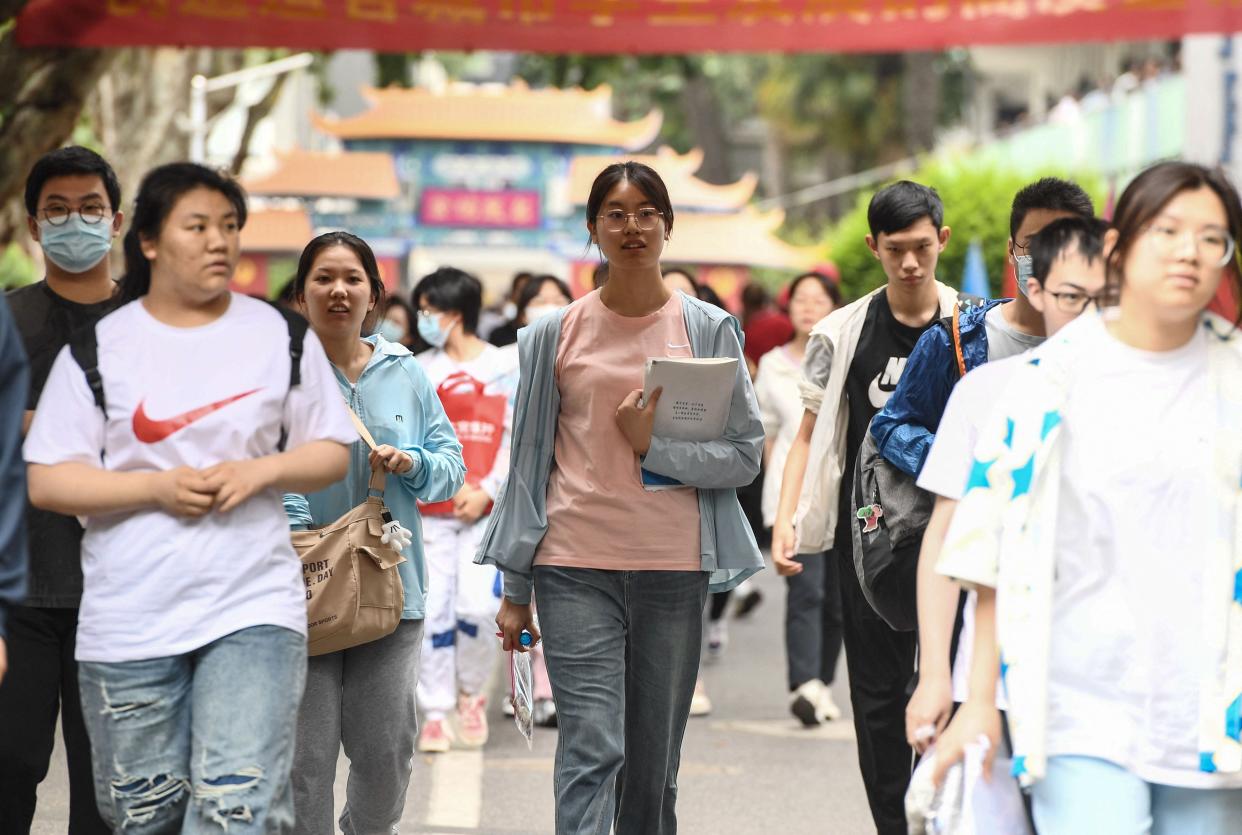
(153, 431)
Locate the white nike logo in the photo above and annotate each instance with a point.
(671, 345)
(885, 383)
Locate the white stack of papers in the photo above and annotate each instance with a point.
(694, 405)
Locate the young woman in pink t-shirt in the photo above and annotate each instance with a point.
(621, 573)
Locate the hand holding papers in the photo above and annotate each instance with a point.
(697, 394)
(693, 405)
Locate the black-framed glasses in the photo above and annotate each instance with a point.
(615, 220)
(91, 213)
(1215, 245)
(1076, 301)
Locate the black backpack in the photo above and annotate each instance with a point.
(890, 517)
(84, 347)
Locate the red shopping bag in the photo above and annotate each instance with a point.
(479, 421)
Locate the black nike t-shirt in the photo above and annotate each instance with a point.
(45, 321)
(884, 345)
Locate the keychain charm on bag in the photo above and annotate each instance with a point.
(396, 536)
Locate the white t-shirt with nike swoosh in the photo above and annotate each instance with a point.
(156, 585)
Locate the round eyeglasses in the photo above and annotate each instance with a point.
(615, 220)
(91, 213)
(1215, 246)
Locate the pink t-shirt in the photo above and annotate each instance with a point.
(599, 515)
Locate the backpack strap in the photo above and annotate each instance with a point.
(84, 348)
(297, 326)
(955, 331)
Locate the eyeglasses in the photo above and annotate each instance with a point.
(91, 213)
(1073, 301)
(616, 220)
(1215, 245)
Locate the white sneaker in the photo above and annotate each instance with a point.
(827, 709)
(717, 639)
(544, 714)
(700, 704)
(805, 702)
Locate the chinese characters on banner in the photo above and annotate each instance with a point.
(479, 209)
(613, 26)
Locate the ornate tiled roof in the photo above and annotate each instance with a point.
(298, 173)
(677, 171)
(746, 238)
(276, 230)
(494, 112)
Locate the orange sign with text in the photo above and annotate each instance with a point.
(614, 26)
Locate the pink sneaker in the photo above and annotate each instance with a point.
(435, 737)
(472, 720)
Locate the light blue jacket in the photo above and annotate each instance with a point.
(519, 520)
(396, 402)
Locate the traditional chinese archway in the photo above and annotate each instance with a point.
(614, 26)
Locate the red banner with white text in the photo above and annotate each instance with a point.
(614, 26)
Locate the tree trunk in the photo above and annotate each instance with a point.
(705, 121)
(38, 109)
(920, 101)
(256, 113)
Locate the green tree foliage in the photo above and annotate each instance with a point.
(16, 267)
(977, 201)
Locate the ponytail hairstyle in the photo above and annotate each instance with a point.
(161, 188)
(365, 256)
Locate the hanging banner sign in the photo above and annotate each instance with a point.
(614, 26)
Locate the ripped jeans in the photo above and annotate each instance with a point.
(201, 742)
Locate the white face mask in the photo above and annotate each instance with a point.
(1025, 269)
(509, 311)
(538, 311)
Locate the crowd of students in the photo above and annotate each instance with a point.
(1054, 481)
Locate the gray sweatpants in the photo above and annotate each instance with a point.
(362, 698)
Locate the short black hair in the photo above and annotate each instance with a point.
(1084, 235)
(69, 162)
(452, 291)
(1051, 194)
(902, 205)
(396, 301)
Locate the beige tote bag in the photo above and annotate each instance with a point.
(353, 591)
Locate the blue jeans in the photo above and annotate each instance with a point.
(214, 726)
(1090, 796)
(612, 640)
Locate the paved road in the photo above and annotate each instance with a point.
(747, 768)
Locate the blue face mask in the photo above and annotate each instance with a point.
(75, 246)
(429, 329)
(1026, 269)
(390, 330)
